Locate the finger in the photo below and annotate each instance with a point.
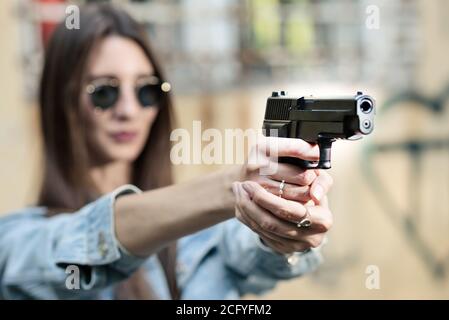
(275, 245)
(309, 203)
(319, 215)
(238, 190)
(282, 248)
(321, 185)
(290, 191)
(264, 222)
(288, 245)
(252, 223)
(321, 218)
(294, 174)
(245, 211)
(324, 202)
(287, 147)
(285, 209)
(278, 243)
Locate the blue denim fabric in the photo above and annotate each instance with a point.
(225, 261)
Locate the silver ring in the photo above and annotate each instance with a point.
(305, 222)
(281, 188)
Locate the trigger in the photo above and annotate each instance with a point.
(309, 164)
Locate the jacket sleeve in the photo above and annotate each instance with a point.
(255, 267)
(66, 256)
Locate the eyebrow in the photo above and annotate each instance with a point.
(99, 76)
(146, 75)
(112, 76)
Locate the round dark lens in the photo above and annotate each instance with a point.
(148, 95)
(104, 96)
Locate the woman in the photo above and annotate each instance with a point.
(106, 120)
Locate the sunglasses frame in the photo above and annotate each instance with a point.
(92, 87)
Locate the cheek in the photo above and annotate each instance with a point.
(147, 118)
(89, 118)
(94, 125)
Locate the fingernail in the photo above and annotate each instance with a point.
(248, 187)
(318, 192)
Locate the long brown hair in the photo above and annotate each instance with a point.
(66, 183)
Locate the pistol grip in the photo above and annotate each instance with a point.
(325, 145)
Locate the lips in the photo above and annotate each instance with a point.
(124, 136)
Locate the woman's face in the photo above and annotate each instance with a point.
(118, 133)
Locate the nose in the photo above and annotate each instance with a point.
(127, 106)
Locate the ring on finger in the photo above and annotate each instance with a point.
(281, 188)
(305, 222)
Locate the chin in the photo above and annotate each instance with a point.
(124, 153)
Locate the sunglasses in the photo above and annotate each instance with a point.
(104, 93)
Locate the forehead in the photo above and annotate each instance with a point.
(119, 56)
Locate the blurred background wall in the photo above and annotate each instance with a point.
(224, 57)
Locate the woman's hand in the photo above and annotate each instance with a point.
(275, 219)
(299, 184)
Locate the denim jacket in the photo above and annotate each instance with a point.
(225, 261)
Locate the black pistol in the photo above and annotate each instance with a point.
(320, 121)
